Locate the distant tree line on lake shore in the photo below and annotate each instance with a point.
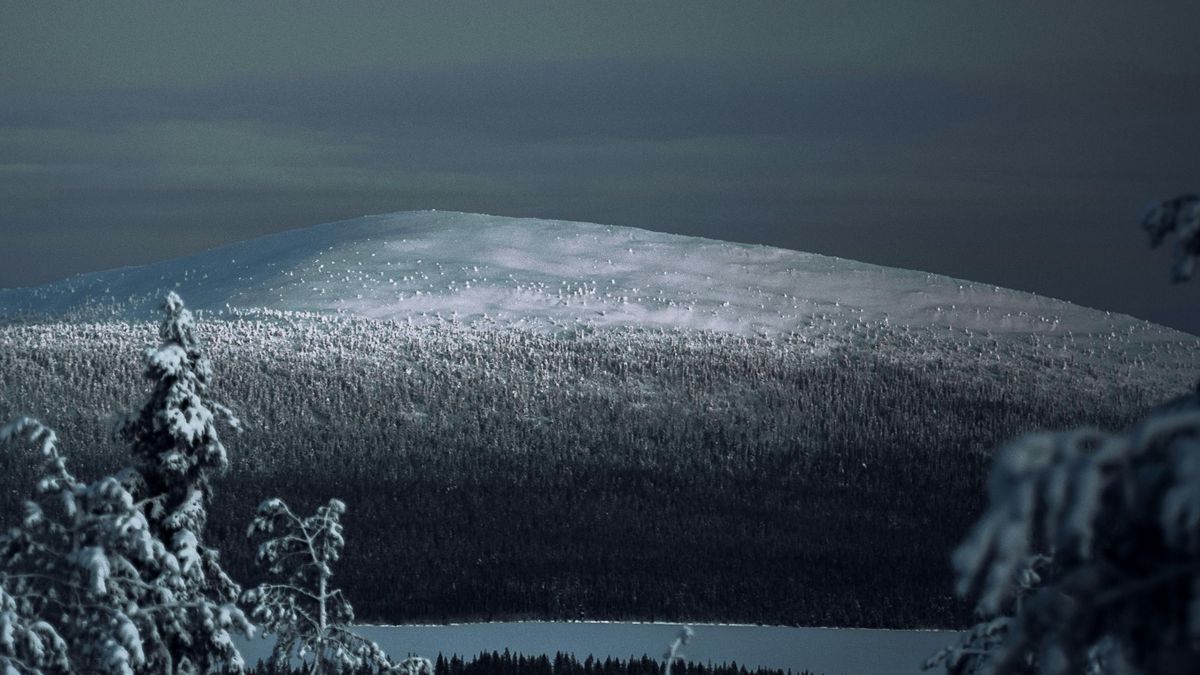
(507, 663)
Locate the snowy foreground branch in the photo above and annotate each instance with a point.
(1088, 556)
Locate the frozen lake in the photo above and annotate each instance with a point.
(832, 651)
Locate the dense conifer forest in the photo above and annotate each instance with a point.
(618, 474)
(506, 663)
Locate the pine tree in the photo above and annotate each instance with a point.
(309, 617)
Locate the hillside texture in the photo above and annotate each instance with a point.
(607, 474)
(543, 419)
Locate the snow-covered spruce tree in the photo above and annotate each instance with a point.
(176, 451)
(27, 644)
(309, 617)
(1088, 556)
(90, 589)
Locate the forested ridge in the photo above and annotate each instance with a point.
(498, 473)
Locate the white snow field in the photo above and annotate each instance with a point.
(432, 266)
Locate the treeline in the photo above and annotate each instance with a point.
(620, 474)
(507, 663)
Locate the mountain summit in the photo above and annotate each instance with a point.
(443, 266)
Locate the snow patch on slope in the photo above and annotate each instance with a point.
(431, 266)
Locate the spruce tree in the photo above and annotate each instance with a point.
(88, 588)
(177, 451)
(28, 643)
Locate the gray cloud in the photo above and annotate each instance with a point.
(1031, 181)
(610, 98)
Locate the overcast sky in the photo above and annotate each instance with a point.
(1009, 142)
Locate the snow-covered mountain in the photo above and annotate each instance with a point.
(439, 266)
(564, 471)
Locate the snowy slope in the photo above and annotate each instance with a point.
(438, 266)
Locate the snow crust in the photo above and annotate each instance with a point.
(431, 266)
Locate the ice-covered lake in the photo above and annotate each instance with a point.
(832, 651)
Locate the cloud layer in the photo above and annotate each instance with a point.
(1028, 174)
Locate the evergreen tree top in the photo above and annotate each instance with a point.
(177, 326)
(174, 435)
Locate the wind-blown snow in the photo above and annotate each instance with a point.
(442, 266)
